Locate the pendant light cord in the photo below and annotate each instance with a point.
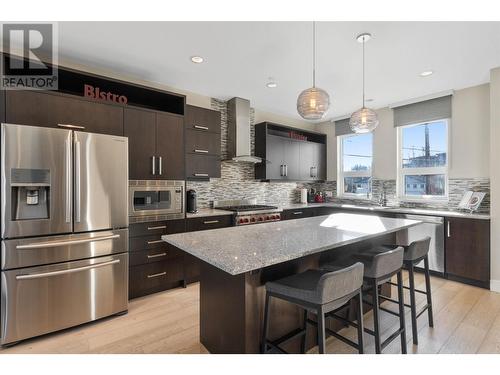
(314, 53)
(363, 72)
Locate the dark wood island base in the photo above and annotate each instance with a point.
(232, 307)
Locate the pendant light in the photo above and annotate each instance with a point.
(364, 120)
(313, 103)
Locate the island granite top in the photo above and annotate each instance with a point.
(237, 250)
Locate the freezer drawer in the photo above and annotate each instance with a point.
(38, 251)
(40, 300)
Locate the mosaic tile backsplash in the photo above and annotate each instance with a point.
(238, 182)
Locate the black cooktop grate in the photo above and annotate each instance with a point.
(249, 207)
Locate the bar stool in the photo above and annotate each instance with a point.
(414, 253)
(380, 264)
(319, 292)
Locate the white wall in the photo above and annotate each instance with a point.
(495, 177)
(470, 132)
(469, 138)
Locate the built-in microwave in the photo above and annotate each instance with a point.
(156, 197)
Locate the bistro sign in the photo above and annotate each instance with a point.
(92, 92)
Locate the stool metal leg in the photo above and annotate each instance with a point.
(263, 348)
(402, 324)
(304, 337)
(413, 304)
(376, 318)
(321, 330)
(361, 328)
(428, 290)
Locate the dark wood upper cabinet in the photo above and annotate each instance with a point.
(55, 110)
(468, 249)
(170, 146)
(288, 158)
(140, 128)
(202, 119)
(156, 145)
(203, 143)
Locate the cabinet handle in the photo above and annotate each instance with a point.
(153, 242)
(160, 165)
(201, 151)
(153, 164)
(156, 255)
(70, 126)
(286, 170)
(298, 213)
(448, 229)
(157, 275)
(281, 170)
(159, 227)
(211, 222)
(200, 174)
(200, 127)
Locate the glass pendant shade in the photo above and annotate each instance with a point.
(363, 120)
(313, 103)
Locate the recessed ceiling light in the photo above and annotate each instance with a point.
(271, 85)
(427, 73)
(197, 59)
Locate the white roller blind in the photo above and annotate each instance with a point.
(429, 110)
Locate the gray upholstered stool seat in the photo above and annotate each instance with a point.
(381, 264)
(319, 292)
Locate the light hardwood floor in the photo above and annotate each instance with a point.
(466, 320)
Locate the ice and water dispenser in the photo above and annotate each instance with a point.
(30, 193)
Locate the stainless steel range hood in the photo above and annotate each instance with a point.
(238, 138)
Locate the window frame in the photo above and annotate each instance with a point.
(402, 172)
(341, 174)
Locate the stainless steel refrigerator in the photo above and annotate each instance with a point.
(64, 219)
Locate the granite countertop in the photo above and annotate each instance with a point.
(237, 250)
(203, 212)
(403, 210)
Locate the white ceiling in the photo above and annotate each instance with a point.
(241, 56)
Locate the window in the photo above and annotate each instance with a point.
(355, 154)
(423, 160)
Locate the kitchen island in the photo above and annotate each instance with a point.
(238, 261)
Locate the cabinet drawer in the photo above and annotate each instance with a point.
(154, 255)
(146, 243)
(297, 214)
(202, 166)
(156, 228)
(209, 222)
(202, 119)
(204, 143)
(154, 277)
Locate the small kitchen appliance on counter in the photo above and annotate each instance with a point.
(191, 202)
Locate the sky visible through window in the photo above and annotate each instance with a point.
(415, 152)
(358, 152)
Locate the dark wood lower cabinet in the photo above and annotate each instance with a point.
(298, 213)
(468, 250)
(192, 264)
(154, 264)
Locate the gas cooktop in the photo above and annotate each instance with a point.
(248, 207)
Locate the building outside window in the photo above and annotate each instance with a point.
(355, 156)
(423, 160)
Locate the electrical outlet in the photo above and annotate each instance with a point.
(329, 194)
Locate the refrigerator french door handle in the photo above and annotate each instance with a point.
(62, 272)
(68, 179)
(40, 245)
(77, 180)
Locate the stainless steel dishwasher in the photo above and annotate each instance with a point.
(432, 226)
